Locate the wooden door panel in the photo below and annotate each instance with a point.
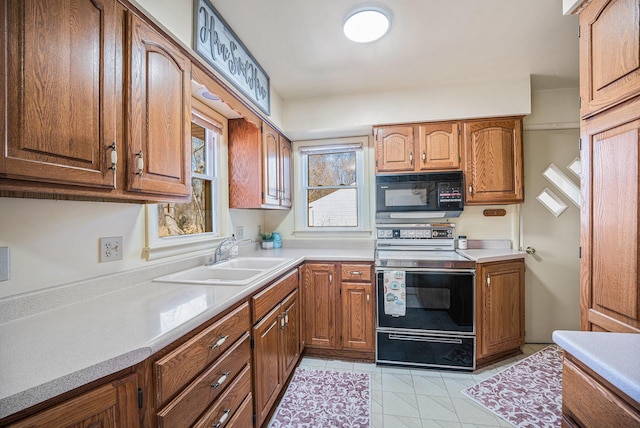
(60, 91)
(615, 221)
(357, 316)
(286, 174)
(159, 159)
(266, 363)
(439, 146)
(291, 334)
(394, 149)
(609, 53)
(271, 165)
(320, 311)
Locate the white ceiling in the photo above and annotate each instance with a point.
(300, 44)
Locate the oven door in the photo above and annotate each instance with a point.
(434, 300)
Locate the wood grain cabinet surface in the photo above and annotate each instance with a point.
(71, 127)
(277, 344)
(589, 401)
(610, 129)
(609, 54)
(259, 166)
(493, 161)
(112, 405)
(500, 310)
(417, 147)
(339, 310)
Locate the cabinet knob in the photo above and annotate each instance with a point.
(470, 189)
(530, 250)
(488, 281)
(355, 272)
(424, 157)
(411, 157)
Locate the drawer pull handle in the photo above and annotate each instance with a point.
(286, 318)
(219, 342)
(355, 272)
(222, 418)
(282, 324)
(221, 380)
(140, 163)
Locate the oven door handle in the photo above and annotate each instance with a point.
(431, 270)
(425, 339)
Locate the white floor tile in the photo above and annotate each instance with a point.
(395, 382)
(470, 412)
(430, 385)
(399, 404)
(429, 423)
(339, 365)
(436, 408)
(391, 421)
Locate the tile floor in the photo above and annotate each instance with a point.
(419, 398)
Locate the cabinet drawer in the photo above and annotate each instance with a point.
(591, 404)
(244, 415)
(195, 398)
(356, 272)
(225, 408)
(268, 298)
(176, 369)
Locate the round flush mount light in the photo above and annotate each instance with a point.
(366, 24)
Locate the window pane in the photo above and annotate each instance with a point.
(332, 169)
(190, 218)
(198, 149)
(332, 207)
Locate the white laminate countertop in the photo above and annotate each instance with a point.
(614, 356)
(53, 351)
(484, 255)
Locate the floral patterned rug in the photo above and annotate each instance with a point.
(325, 398)
(526, 394)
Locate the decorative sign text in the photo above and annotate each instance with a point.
(219, 46)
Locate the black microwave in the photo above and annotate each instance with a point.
(405, 198)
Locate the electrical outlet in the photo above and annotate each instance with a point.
(4, 263)
(239, 232)
(111, 249)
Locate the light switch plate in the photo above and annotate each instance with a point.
(111, 249)
(4, 264)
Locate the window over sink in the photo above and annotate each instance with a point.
(176, 225)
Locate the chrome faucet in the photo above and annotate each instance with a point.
(221, 248)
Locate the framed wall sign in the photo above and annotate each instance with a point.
(217, 44)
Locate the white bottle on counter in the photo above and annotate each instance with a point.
(462, 242)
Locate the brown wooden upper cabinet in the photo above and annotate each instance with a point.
(609, 54)
(63, 97)
(259, 166)
(423, 147)
(159, 111)
(60, 91)
(493, 163)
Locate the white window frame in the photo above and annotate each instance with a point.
(363, 177)
(160, 247)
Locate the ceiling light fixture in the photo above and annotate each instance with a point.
(366, 24)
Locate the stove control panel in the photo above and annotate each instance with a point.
(416, 232)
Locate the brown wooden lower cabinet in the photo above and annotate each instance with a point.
(499, 310)
(590, 401)
(276, 342)
(112, 405)
(339, 310)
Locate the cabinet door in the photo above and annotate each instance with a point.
(159, 109)
(271, 165)
(111, 405)
(320, 305)
(439, 146)
(609, 53)
(394, 149)
(266, 362)
(290, 351)
(610, 277)
(502, 307)
(493, 161)
(285, 176)
(59, 91)
(357, 316)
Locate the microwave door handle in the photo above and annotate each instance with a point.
(425, 339)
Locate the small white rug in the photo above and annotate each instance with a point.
(527, 394)
(325, 398)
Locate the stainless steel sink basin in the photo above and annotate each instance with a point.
(240, 271)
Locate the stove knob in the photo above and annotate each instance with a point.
(403, 233)
(412, 234)
(388, 233)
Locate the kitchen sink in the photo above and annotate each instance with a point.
(239, 271)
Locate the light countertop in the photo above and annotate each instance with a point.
(484, 255)
(49, 352)
(614, 356)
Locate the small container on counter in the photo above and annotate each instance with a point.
(462, 242)
(277, 240)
